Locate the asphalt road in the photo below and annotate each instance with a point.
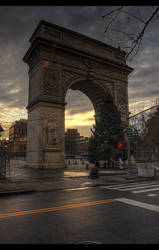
(117, 214)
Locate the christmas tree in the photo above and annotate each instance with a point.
(106, 133)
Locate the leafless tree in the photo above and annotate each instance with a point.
(129, 24)
(146, 131)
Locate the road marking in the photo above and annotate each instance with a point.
(145, 187)
(119, 186)
(140, 187)
(51, 209)
(77, 189)
(145, 190)
(152, 195)
(139, 204)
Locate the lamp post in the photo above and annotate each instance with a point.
(129, 134)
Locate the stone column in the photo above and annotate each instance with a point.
(45, 134)
(45, 137)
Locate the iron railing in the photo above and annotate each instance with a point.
(4, 162)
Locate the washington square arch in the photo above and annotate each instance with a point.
(60, 59)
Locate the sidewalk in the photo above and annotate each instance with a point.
(25, 180)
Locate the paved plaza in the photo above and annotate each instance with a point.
(23, 179)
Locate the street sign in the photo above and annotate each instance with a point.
(129, 132)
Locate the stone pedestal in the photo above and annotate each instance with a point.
(45, 142)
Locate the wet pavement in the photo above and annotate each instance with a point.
(27, 191)
(24, 179)
(18, 172)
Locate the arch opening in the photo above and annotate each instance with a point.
(84, 99)
(79, 112)
(92, 90)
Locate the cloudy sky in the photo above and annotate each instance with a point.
(17, 24)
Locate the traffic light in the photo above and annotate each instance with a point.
(120, 144)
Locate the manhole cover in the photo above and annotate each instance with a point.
(88, 242)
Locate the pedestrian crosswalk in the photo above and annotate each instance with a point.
(135, 188)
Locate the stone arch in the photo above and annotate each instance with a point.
(60, 59)
(94, 90)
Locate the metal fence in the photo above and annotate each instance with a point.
(4, 162)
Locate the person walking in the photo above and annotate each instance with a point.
(97, 164)
(95, 170)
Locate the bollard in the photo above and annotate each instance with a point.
(87, 165)
(155, 172)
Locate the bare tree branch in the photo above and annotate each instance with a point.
(112, 20)
(140, 36)
(129, 35)
(135, 39)
(109, 13)
(130, 14)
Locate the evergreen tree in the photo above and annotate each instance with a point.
(106, 133)
(92, 149)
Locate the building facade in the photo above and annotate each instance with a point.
(18, 138)
(75, 144)
(81, 146)
(18, 130)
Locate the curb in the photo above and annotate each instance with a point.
(26, 191)
(102, 174)
(14, 192)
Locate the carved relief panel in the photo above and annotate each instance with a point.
(50, 130)
(51, 82)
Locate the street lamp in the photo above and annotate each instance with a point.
(129, 135)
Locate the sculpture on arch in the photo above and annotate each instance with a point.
(60, 59)
(49, 129)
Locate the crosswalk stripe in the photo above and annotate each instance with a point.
(145, 190)
(120, 185)
(140, 187)
(134, 188)
(128, 185)
(139, 204)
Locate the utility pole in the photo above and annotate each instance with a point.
(128, 135)
(129, 174)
